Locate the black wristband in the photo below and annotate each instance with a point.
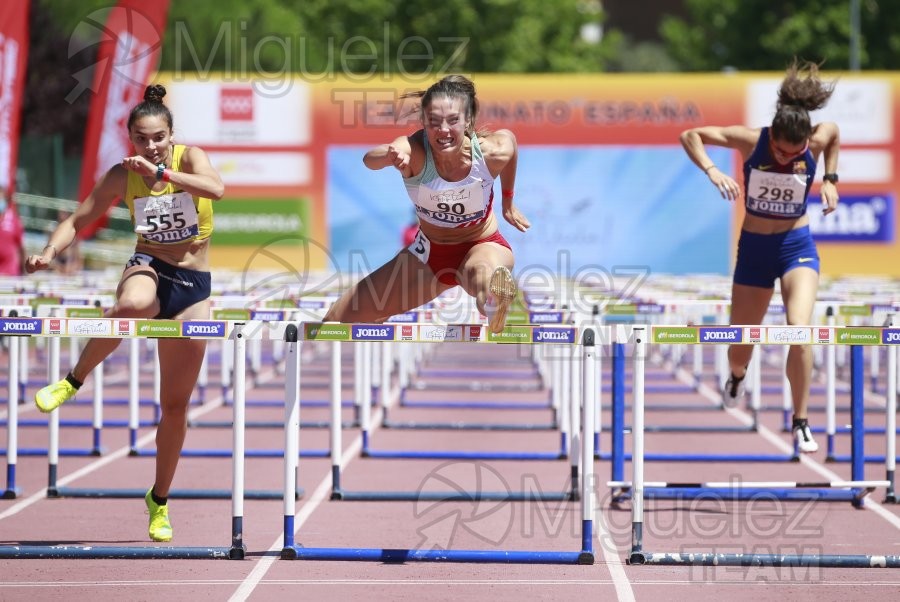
(830, 177)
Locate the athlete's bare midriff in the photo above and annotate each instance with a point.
(192, 255)
(764, 225)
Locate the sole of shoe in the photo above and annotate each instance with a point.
(504, 290)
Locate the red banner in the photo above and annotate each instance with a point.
(13, 55)
(128, 53)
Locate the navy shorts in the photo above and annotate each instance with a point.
(763, 258)
(178, 288)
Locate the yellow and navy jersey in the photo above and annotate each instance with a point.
(171, 215)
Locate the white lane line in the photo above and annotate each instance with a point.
(610, 553)
(321, 493)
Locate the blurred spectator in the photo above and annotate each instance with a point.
(12, 237)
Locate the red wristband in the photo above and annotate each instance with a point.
(508, 194)
(166, 175)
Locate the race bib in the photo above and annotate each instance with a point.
(166, 218)
(420, 247)
(776, 194)
(452, 207)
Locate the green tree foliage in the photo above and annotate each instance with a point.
(758, 35)
(324, 37)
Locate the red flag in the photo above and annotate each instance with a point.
(130, 41)
(13, 55)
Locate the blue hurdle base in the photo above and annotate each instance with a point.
(227, 453)
(748, 493)
(178, 494)
(765, 560)
(395, 556)
(460, 455)
(465, 426)
(125, 552)
(453, 496)
(704, 457)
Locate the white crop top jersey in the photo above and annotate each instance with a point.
(452, 204)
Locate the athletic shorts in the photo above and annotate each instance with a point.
(178, 288)
(444, 260)
(763, 258)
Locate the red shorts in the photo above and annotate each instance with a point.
(444, 260)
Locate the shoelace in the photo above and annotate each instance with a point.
(803, 427)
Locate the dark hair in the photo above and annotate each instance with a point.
(152, 106)
(451, 86)
(801, 91)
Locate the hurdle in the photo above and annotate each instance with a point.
(389, 334)
(855, 489)
(63, 327)
(295, 551)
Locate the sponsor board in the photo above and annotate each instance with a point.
(203, 329)
(545, 317)
(311, 304)
(860, 218)
(313, 331)
(84, 312)
(373, 332)
(650, 308)
(775, 310)
(231, 314)
(721, 335)
(407, 332)
(675, 334)
(890, 336)
(472, 332)
(854, 310)
(267, 315)
(620, 309)
(823, 335)
(857, 336)
(21, 326)
(545, 334)
(788, 335)
(124, 328)
(410, 316)
(75, 301)
(157, 328)
(88, 327)
(434, 333)
(54, 326)
(512, 334)
(280, 304)
(754, 335)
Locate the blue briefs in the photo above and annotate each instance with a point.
(763, 258)
(178, 288)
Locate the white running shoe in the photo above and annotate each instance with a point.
(734, 391)
(803, 437)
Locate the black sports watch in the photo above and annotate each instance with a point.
(831, 177)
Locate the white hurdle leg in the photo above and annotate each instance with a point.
(890, 426)
(97, 407)
(336, 442)
(291, 350)
(53, 423)
(238, 434)
(830, 392)
(637, 444)
(134, 391)
(12, 418)
(589, 396)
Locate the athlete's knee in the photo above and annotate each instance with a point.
(136, 306)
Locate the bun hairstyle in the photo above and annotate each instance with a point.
(801, 91)
(152, 106)
(451, 86)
